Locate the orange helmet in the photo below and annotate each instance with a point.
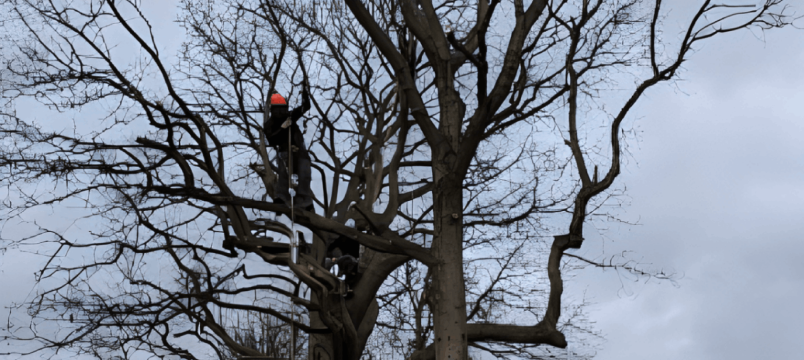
(277, 99)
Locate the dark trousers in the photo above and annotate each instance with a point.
(302, 169)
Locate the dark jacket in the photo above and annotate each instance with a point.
(277, 136)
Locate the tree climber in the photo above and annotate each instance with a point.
(347, 265)
(285, 136)
(344, 252)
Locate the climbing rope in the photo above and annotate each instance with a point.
(293, 247)
(292, 193)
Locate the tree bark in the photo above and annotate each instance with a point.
(319, 346)
(448, 288)
(448, 291)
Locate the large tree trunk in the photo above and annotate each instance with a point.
(359, 312)
(320, 346)
(448, 289)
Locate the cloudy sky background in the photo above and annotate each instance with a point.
(718, 191)
(717, 187)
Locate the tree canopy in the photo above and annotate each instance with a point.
(441, 137)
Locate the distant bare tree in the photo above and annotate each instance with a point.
(439, 136)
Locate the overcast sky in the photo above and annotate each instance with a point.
(719, 193)
(718, 190)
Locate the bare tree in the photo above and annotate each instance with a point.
(439, 135)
